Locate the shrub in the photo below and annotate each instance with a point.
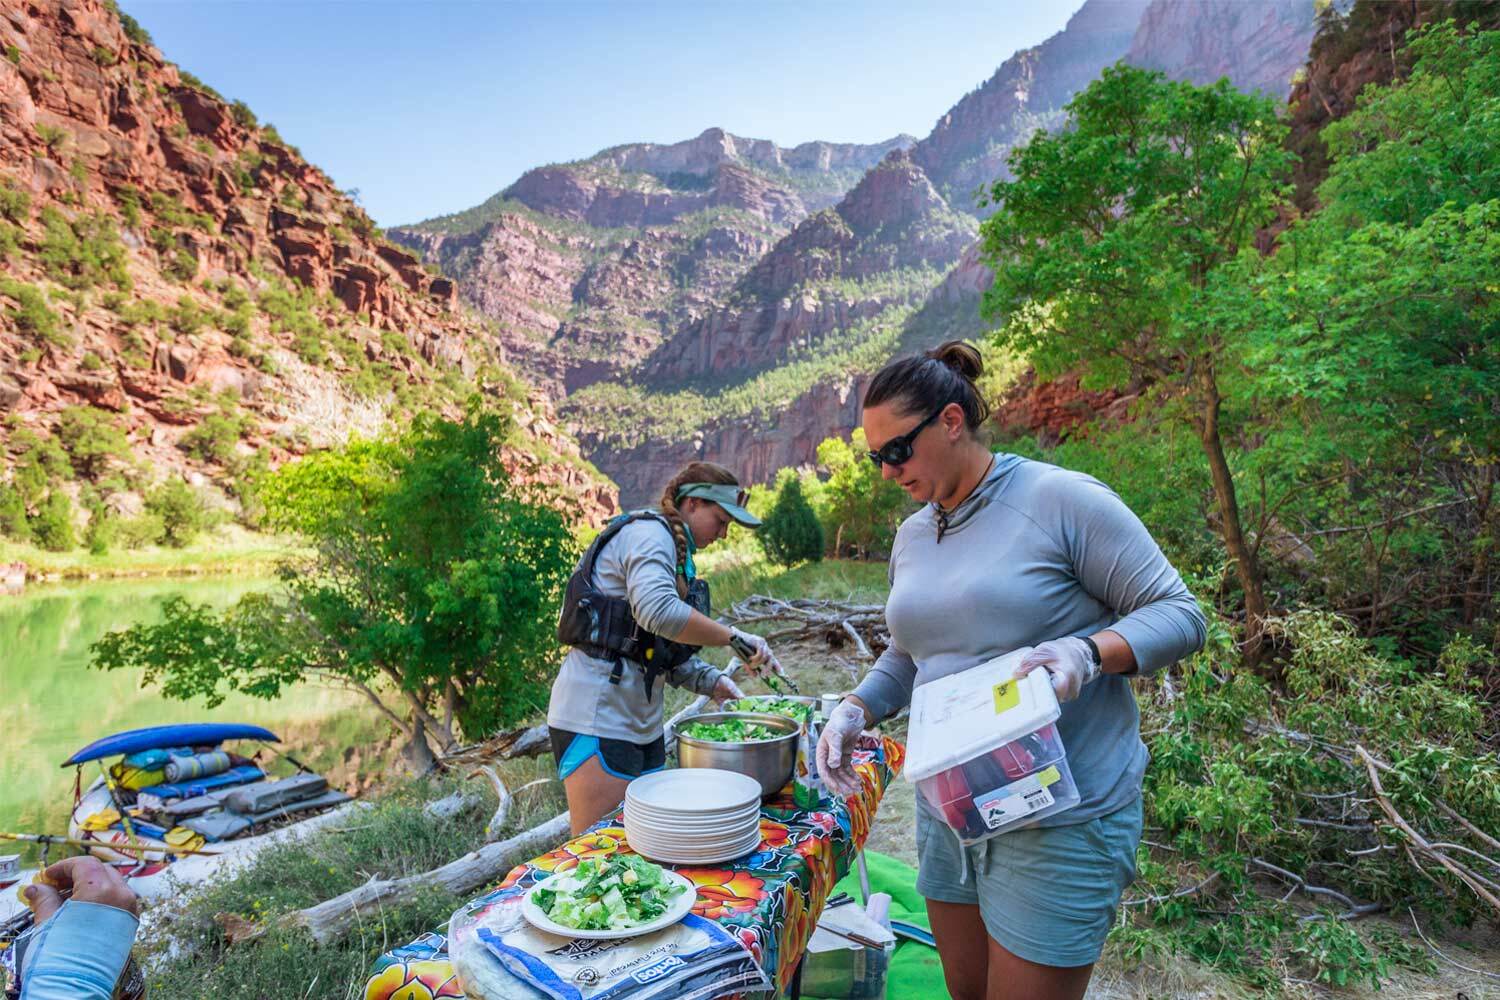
(129, 198)
(102, 526)
(13, 522)
(135, 532)
(91, 438)
(242, 114)
(40, 463)
(15, 204)
(183, 266)
(791, 532)
(186, 317)
(32, 316)
(52, 528)
(214, 438)
(82, 252)
(52, 136)
(181, 510)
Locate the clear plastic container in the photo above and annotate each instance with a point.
(984, 750)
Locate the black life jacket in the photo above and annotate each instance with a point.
(605, 628)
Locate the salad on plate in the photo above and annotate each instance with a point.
(614, 893)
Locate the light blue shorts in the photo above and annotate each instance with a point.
(1047, 895)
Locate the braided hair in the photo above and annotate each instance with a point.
(693, 472)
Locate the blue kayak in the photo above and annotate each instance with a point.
(188, 734)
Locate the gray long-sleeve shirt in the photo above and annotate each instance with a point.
(1035, 553)
(638, 564)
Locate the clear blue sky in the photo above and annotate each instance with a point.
(431, 106)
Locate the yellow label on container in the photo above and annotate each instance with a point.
(1048, 777)
(1007, 697)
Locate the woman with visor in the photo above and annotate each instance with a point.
(635, 612)
(1007, 552)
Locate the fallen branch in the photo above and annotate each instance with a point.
(859, 644)
(1191, 890)
(1418, 843)
(331, 919)
(1352, 910)
(1439, 954)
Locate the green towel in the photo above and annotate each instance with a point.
(915, 972)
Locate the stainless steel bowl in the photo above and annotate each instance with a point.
(769, 762)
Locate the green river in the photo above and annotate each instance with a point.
(52, 704)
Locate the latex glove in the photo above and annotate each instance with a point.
(89, 879)
(727, 690)
(836, 748)
(760, 660)
(1070, 662)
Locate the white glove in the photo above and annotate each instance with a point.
(836, 747)
(1070, 662)
(761, 660)
(725, 689)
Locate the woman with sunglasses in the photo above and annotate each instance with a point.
(635, 612)
(1007, 552)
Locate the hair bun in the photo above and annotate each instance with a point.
(961, 356)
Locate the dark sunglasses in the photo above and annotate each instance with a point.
(897, 451)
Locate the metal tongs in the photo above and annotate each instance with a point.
(745, 651)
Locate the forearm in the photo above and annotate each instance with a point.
(701, 630)
(1115, 654)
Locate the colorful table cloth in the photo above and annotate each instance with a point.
(770, 900)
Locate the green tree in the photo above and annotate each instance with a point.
(181, 510)
(861, 507)
(1107, 238)
(52, 527)
(103, 526)
(40, 463)
(13, 522)
(1377, 319)
(791, 532)
(433, 589)
(92, 440)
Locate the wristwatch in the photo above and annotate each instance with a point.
(1093, 651)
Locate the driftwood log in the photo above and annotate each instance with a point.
(332, 919)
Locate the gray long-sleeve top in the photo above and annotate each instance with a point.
(638, 564)
(1035, 553)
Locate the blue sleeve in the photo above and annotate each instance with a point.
(79, 953)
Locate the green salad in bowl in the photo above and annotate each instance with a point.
(800, 711)
(729, 731)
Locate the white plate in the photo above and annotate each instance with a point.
(635, 816)
(731, 832)
(680, 856)
(680, 906)
(696, 815)
(682, 846)
(694, 790)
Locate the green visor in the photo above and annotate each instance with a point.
(731, 498)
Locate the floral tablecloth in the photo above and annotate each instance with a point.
(770, 900)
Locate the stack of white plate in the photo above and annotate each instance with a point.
(693, 815)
